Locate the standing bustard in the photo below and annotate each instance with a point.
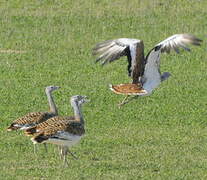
(62, 131)
(33, 118)
(145, 71)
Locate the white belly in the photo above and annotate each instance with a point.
(152, 81)
(64, 139)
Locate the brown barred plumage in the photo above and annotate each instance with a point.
(62, 124)
(34, 130)
(34, 118)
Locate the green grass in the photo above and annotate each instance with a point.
(163, 136)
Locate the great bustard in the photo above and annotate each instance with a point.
(62, 131)
(33, 118)
(144, 71)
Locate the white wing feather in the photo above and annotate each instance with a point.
(111, 50)
(152, 77)
(178, 40)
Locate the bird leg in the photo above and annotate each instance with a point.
(60, 149)
(65, 152)
(65, 160)
(73, 155)
(35, 149)
(124, 101)
(45, 145)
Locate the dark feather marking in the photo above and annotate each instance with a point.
(129, 59)
(40, 138)
(156, 48)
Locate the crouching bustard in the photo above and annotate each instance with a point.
(62, 131)
(144, 70)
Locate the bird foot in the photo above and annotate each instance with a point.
(121, 104)
(73, 155)
(65, 162)
(45, 146)
(124, 101)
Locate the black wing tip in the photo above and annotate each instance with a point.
(157, 48)
(95, 51)
(103, 63)
(98, 59)
(196, 41)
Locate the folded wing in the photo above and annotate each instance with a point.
(49, 123)
(53, 130)
(30, 120)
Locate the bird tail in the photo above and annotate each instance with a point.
(13, 127)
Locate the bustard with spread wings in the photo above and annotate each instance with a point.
(144, 70)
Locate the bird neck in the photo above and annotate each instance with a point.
(51, 103)
(139, 63)
(77, 112)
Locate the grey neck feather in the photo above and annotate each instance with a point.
(77, 111)
(51, 102)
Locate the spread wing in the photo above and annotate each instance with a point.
(152, 77)
(111, 50)
(178, 41)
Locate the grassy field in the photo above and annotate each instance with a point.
(163, 136)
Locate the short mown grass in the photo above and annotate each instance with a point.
(163, 136)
